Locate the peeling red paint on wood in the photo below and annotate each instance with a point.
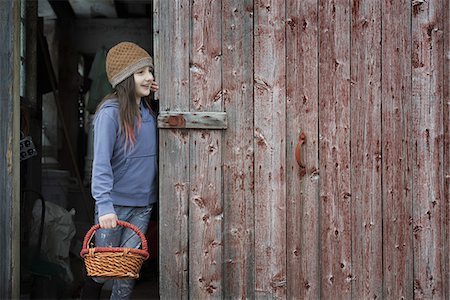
(445, 212)
(397, 157)
(426, 140)
(366, 101)
(173, 20)
(270, 157)
(238, 175)
(334, 149)
(370, 205)
(205, 220)
(302, 207)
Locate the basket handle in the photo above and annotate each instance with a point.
(94, 228)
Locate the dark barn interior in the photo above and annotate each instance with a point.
(65, 45)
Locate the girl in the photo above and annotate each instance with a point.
(124, 169)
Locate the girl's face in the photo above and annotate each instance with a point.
(143, 79)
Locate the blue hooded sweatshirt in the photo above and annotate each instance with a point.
(120, 176)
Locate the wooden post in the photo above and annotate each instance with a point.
(33, 166)
(9, 149)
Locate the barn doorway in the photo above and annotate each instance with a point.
(64, 82)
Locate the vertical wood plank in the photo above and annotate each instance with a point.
(302, 205)
(156, 18)
(334, 148)
(367, 248)
(174, 41)
(205, 202)
(396, 157)
(32, 179)
(446, 161)
(428, 138)
(270, 148)
(238, 152)
(31, 169)
(9, 149)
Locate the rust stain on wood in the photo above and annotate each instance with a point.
(177, 121)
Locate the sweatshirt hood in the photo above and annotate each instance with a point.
(114, 103)
(110, 103)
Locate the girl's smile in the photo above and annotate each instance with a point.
(143, 79)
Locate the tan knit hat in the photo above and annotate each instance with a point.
(123, 60)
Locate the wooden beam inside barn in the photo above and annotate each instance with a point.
(9, 148)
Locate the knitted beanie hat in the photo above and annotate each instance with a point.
(123, 60)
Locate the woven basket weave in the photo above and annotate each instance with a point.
(114, 262)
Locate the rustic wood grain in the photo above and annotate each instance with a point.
(9, 150)
(270, 148)
(428, 140)
(302, 205)
(156, 44)
(397, 182)
(367, 83)
(238, 150)
(367, 247)
(174, 41)
(193, 120)
(446, 151)
(205, 201)
(334, 149)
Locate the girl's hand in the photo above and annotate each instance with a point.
(154, 87)
(108, 221)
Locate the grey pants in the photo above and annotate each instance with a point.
(125, 238)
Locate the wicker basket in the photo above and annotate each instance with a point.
(114, 262)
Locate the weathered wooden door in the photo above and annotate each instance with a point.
(324, 173)
(206, 173)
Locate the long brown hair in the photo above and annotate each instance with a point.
(125, 95)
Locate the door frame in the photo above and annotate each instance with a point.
(10, 12)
